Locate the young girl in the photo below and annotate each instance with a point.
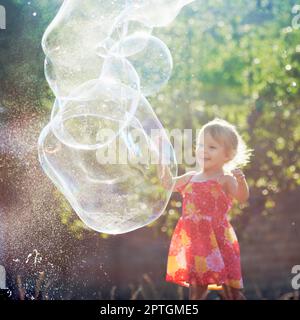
(204, 252)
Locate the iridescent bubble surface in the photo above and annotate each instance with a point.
(104, 145)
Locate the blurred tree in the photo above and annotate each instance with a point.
(232, 59)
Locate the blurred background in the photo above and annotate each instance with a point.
(237, 60)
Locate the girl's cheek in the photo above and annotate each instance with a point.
(212, 152)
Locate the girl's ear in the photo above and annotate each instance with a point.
(230, 155)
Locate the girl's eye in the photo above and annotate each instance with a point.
(211, 147)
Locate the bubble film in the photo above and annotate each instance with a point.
(104, 146)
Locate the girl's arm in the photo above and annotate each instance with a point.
(167, 179)
(165, 175)
(237, 186)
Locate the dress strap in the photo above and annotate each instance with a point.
(181, 188)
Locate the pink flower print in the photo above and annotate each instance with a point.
(215, 192)
(204, 248)
(215, 261)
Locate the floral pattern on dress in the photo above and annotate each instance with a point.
(204, 249)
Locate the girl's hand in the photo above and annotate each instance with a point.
(238, 174)
(239, 188)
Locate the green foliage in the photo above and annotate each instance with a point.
(236, 60)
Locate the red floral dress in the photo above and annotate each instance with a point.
(204, 249)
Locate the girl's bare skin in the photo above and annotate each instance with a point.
(197, 292)
(233, 293)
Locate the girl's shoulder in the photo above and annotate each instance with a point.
(227, 180)
(226, 176)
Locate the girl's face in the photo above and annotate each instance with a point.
(210, 153)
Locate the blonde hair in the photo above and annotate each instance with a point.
(226, 134)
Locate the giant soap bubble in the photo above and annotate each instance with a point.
(104, 145)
